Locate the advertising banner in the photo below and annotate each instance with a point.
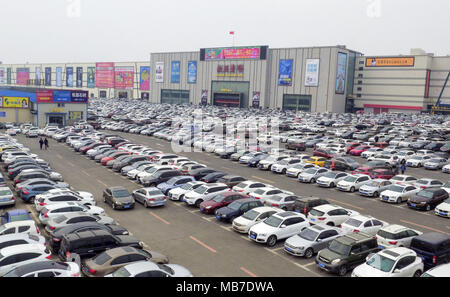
(15, 102)
(256, 99)
(104, 75)
(79, 77)
(59, 76)
(285, 73)
(2, 75)
(8, 76)
(204, 97)
(23, 75)
(390, 62)
(75, 115)
(44, 96)
(79, 96)
(48, 76)
(61, 96)
(232, 53)
(124, 78)
(38, 76)
(159, 72)
(192, 72)
(69, 76)
(91, 77)
(145, 78)
(3, 114)
(175, 72)
(312, 73)
(341, 73)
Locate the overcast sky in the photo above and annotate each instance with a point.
(41, 31)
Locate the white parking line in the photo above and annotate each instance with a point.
(208, 219)
(226, 228)
(290, 261)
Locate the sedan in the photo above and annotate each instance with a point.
(118, 197)
(149, 197)
(297, 169)
(425, 183)
(443, 209)
(6, 197)
(150, 269)
(330, 179)
(395, 236)
(352, 183)
(58, 209)
(374, 187)
(243, 223)
(67, 219)
(435, 163)
(221, 200)
(427, 199)
(312, 174)
(360, 223)
(398, 193)
(282, 200)
(46, 269)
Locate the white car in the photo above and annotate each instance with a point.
(371, 152)
(297, 169)
(362, 223)
(57, 209)
(395, 262)
(352, 183)
(331, 179)
(62, 198)
(404, 155)
(424, 152)
(267, 163)
(248, 186)
(443, 209)
(442, 270)
(20, 238)
(398, 193)
(446, 168)
(50, 193)
(395, 236)
(387, 158)
(446, 187)
(435, 163)
(425, 183)
(283, 165)
(28, 227)
(312, 174)
(403, 179)
(177, 194)
(14, 256)
(132, 174)
(203, 193)
(417, 160)
(329, 214)
(278, 226)
(147, 174)
(243, 223)
(265, 193)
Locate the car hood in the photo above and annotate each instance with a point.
(211, 203)
(444, 206)
(329, 255)
(128, 199)
(365, 270)
(127, 240)
(263, 228)
(242, 221)
(180, 271)
(368, 188)
(418, 199)
(225, 211)
(390, 193)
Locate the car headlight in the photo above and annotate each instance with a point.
(262, 234)
(336, 261)
(208, 207)
(224, 216)
(118, 203)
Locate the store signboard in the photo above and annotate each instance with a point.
(390, 62)
(159, 72)
(175, 72)
(104, 75)
(341, 72)
(192, 72)
(124, 78)
(285, 73)
(23, 75)
(312, 73)
(233, 53)
(15, 102)
(61, 96)
(145, 78)
(79, 96)
(44, 96)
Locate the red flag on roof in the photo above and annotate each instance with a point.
(231, 32)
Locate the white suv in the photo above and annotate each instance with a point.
(396, 236)
(203, 193)
(329, 214)
(14, 256)
(352, 183)
(361, 223)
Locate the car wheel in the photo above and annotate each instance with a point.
(399, 200)
(428, 207)
(284, 171)
(198, 202)
(145, 204)
(332, 185)
(342, 270)
(352, 189)
(309, 253)
(376, 194)
(418, 273)
(232, 219)
(313, 180)
(272, 240)
(113, 206)
(104, 199)
(181, 198)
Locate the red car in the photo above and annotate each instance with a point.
(221, 200)
(323, 153)
(84, 149)
(363, 170)
(381, 144)
(382, 173)
(357, 151)
(352, 145)
(113, 157)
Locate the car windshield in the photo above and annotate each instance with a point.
(259, 191)
(434, 161)
(350, 179)
(276, 198)
(308, 234)
(5, 192)
(380, 262)
(331, 174)
(201, 190)
(122, 272)
(425, 194)
(374, 184)
(271, 159)
(339, 248)
(273, 221)
(417, 158)
(311, 171)
(397, 189)
(121, 193)
(250, 215)
(154, 193)
(234, 206)
(316, 213)
(186, 186)
(60, 219)
(447, 185)
(22, 217)
(218, 198)
(353, 222)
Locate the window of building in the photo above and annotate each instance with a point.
(297, 102)
(175, 96)
(360, 75)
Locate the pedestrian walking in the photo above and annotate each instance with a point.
(41, 143)
(403, 168)
(46, 143)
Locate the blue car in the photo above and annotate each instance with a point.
(237, 208)
(174, 182)
(29, 192)
(15, 215)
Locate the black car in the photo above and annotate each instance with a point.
(434, 146)
(130, 160)
(56, 237)
(253, 162)
(199, 173)
(12, 173)
(161, 177)
(304, 204)
(427, 199)
(213, 177)
(433, 248)
(342, 164)
(87, 244)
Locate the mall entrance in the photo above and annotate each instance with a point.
(56, 118)
(230, 93)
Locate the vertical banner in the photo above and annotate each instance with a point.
(192, 72)
(285, 73)
(144, 78)
(341, 73)
(427, 84)
(8, 76)
(104, 75)
(124, 78)
(2, 76)
(48, 76)
(175, 72)
(256, 99)
(312, 73)
(23, 75)
(204, 97)
(59, 76)
(37, 81)
(159, 72)
(79, 77)
(91, 77)
(69, 76)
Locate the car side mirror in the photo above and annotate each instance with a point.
(396, 270)
(283, 226)
(369, 256)
(319, 240)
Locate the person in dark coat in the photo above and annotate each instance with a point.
(403, 168)
(46, 143)
(41, 143)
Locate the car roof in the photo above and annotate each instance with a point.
(117, 188)
(40, 265)
(286, 214)
(395, 253)
(21, 248)
(119, 251)
(432, 237)
(394, 228)
(354, 237)
(61, 204)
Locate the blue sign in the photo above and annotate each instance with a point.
(48, 76)
(69, 76)
(192, 72)
(61, 96)
(79, 96)
(2, 114)
(58, 76)
(285, 73)
(175, 72)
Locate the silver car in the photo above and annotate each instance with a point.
(425, 183)
(282, 200)
(311, 240)
(312, 174)
(74, 218)
(151, 269)
(149, 197)
(435, 163)
(374, 187)
(331, 178)
(6, 197)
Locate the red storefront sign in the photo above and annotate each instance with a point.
(44, 96)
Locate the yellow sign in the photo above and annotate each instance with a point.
(56, 109)
(75, 115)
(226, 90)
(230, 75)
(390, 62)
(15, 102)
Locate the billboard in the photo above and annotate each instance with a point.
(8, 76)
(38, 76)
(104, 75)
(341, 73)
(69, 76)
(23, 75)
(15, 102)
(79, 96)
(175, 72)
(2, 76)
(192, 72)
(234, 53)
(79, 77)
(285, 73)
(145, 78)
(390, 62)
(124, 78)
(59, 76)
(159, 72)
(48, 76)
(312, 72)
(91, 77)
(61, 96)
(44, 96)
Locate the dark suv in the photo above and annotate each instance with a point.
(433, 248)
(304, 204)
(87, 244)
(346, 252)
(161, 177)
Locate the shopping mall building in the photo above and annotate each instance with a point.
(315, 79)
